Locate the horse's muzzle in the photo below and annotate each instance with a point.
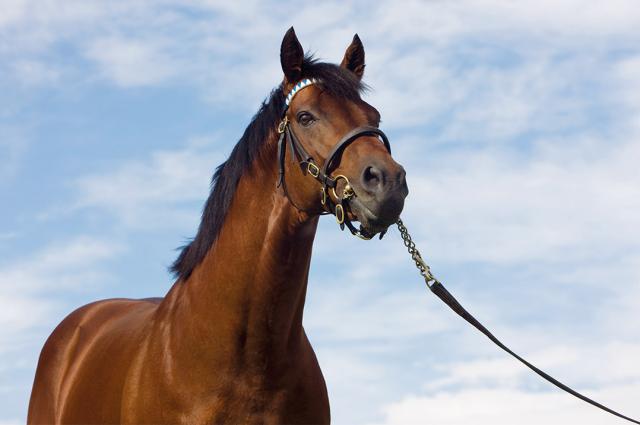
(381, 192)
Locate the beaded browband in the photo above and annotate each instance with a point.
(302, 84)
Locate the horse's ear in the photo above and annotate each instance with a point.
(354, 57)
(291, 56)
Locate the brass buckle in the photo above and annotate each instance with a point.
(283, 124)
(313, 169)
(339, 214)
(323, 200)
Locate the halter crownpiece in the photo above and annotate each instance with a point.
(302, 84)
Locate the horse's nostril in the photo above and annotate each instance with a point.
(372, 178)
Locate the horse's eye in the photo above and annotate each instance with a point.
(305, 118)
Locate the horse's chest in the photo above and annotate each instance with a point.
(276, 408)
(231, 399)
(263, 407)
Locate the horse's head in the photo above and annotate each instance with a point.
(346, 164)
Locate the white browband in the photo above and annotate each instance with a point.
(302, 84)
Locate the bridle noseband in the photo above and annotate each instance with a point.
(323, 173)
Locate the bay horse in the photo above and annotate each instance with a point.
(226, 344)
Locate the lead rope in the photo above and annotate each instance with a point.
(438, 288)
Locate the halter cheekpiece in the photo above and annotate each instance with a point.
(323, 173)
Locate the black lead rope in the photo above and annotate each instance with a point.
(441, 292)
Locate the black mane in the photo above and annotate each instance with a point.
(337, 81)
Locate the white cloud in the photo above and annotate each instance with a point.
(558, 21)
(626, 88)
(32, 72)
(557, 203)
(13, 145)
(577, 365)
(12, 11)
(569, 17)
(509, 406)
(132, 62)
(356, 315)
(152, 191)
(134, 45)
(80, 251)
(352, 377)
(31, 289)
(34, 26)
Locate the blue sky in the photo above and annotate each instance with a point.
(519, 127)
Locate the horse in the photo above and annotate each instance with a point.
(226, 344)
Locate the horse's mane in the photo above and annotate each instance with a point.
(335, 80)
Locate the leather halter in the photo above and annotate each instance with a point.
(323, 173)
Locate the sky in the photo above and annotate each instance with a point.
(518, 124)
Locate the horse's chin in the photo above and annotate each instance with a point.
(370, 223)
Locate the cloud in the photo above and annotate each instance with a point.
(509, 406)
(352, 376)
(356, 316)
(33, 72)
(558, 21)
(627, 85)
(13, 145)
(35, 27)
(12, 11)
(38, 284)
(207, 44)
(131, 62)
(155, 191)
(577, 364)
(559, 201)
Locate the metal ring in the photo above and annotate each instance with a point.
(336, 178)
(323, 200)
(339, 214)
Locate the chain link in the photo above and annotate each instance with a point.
(423, 268)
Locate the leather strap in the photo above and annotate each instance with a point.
(335, 154)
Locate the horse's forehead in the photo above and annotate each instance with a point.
(316, 97)
(313, 95)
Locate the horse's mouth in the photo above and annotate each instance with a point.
(376, 213)
(370, 223)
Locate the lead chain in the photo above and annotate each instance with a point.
(423, 268)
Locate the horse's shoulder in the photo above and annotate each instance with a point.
(114, 309)
(97, 318)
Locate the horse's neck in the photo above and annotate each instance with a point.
(244, 302)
